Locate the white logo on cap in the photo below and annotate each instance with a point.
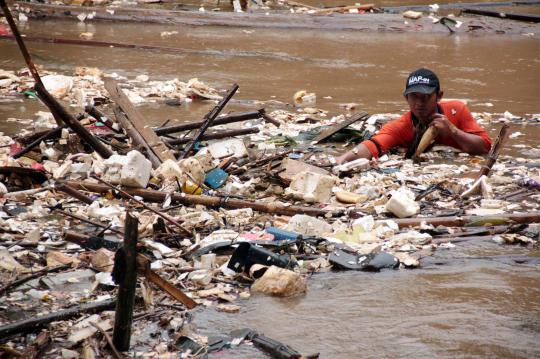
(414, 80)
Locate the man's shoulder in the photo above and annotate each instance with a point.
(453, 104)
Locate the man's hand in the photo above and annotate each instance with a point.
(360, 151)
(444, 127)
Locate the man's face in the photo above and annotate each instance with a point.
(423, 106)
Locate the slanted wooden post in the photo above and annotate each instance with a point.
(126, 291)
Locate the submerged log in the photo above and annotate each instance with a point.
(209, 201)
(35, 323)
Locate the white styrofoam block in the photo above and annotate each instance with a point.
(402, 203)
(233, 147)
(136, 170)
(308, 226)
(113, 168)
(311, 187)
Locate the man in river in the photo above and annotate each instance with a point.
(452, 119)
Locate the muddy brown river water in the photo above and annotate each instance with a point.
(479, 299)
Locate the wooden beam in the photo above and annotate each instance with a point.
(126, 290)
(154, 143)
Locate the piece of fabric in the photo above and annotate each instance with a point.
(401, 132)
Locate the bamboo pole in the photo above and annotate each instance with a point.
(495, 151)
(126, 291)
(209, 201)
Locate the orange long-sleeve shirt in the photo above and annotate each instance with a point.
(400, 132)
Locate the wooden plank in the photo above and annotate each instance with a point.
(142, 126)
(341, 125)
(135, 136)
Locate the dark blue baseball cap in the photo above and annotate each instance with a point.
(423, 81)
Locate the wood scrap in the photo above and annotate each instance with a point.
(340, 125)
(37, 322)
(137, 123)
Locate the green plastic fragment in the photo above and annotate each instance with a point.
(30, 94)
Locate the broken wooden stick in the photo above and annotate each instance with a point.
(209, 119)
(126, 290)
(266, 117)
(455, 221)
(86, 220)
(162, 215)
(35, 323)
(138, 123)
(108, 339)
(98, 115)
(144, 267)
(231, 118)
(495, 151)
(20, 281)
(215, 135)
(62, 187)
(209, 201)
(55, 132)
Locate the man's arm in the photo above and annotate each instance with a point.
(467, 142)
(394, 133)
(360, 151)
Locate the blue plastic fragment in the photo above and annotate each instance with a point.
(296, 156)
(282, 235)
(216, 178)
